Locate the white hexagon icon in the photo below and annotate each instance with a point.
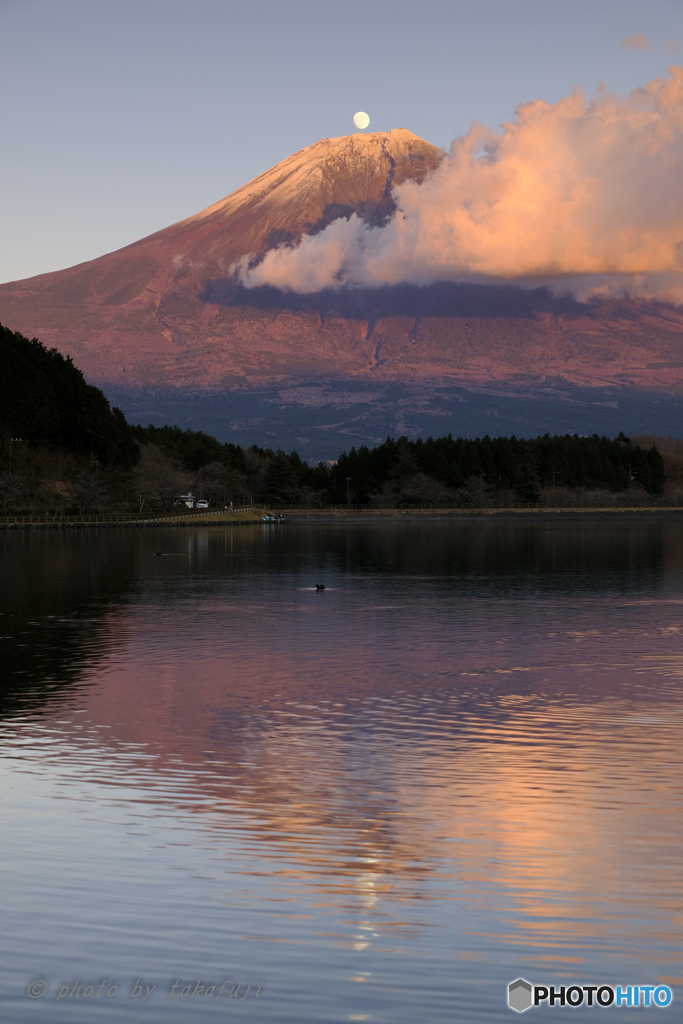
(519, 995)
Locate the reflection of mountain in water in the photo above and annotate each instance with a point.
(61, 589)
(426, 697)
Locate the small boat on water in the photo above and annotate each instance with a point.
(274, 519)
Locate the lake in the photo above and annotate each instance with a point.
(227, 795)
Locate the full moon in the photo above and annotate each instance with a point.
(361, 119)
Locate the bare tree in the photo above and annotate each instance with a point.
(11, 491)
(88, 491)
(158, 479)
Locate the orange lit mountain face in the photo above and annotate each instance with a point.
(166, 315)
(161, 312)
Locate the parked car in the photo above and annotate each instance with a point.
(185, 499)
(202, 503)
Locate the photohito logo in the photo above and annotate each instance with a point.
(522, 995)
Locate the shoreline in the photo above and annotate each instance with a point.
(636, 513)
(244, 517)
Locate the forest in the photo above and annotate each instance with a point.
(61, 440)
(64, 449)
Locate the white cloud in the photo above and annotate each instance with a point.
(582, 197)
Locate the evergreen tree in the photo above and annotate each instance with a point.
(45, 398)
(527, 484)
(280, 485)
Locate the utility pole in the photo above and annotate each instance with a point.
(11, 441)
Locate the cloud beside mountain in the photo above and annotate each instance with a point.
(584, 197)
(638, 42)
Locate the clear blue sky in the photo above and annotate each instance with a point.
(118, 119)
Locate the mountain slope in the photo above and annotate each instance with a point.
(165, 314)
(138, 312)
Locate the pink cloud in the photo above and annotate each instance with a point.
(580, 196)
(638, 42)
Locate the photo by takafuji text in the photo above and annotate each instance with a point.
(142, 990)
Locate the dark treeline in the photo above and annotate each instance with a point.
(225, 472)
(442, 469)
(192, 449)
(64, 449)
(490, 466)
(44, 397)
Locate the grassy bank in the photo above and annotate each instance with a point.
(224, 517)
(458, 514)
